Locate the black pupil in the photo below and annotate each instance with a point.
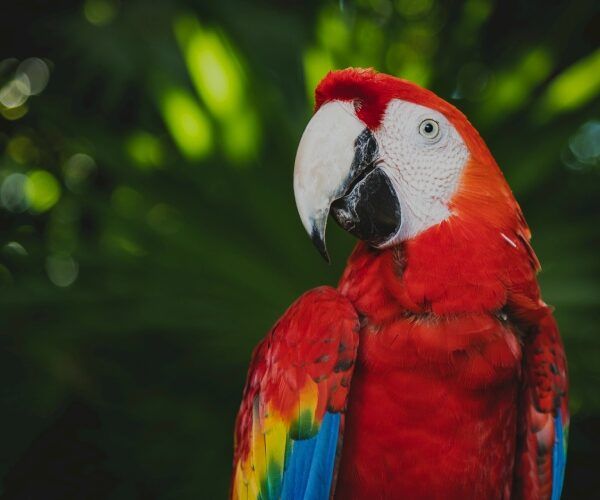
(428, 128)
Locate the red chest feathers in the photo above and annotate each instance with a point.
(432, 411)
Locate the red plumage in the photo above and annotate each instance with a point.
(460, 369)
(436, 396)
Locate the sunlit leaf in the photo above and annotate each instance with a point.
(189, 126)
(572, 88)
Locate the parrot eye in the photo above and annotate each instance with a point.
(429, 129)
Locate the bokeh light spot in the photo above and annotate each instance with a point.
(12, 114)
(62, 269)
(14, 248)
(37, 73)
(573, 87)
(99, 12)
(213, 66)
(188, 124)
(145, 150)
(214, 73)
(584, 147)
(42, 190)
(30, 78)
(22, 150)
(77, 171)
(12, 193)
(15, 92)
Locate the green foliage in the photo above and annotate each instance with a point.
(149, 236)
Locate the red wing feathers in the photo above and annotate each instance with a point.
(544, 414)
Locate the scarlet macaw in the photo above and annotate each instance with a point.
(434, 370)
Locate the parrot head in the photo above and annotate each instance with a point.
(389, 160)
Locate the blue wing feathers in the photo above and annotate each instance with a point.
(321, 471)
(559, 456)
(297, 468)
(309, 469)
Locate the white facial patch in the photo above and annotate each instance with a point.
(424, 169)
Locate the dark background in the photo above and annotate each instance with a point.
(148, 232)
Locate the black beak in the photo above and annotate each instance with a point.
(369, 208)
(318, 238)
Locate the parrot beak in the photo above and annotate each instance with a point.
(336, 170)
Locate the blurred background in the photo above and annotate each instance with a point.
(148, 232)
